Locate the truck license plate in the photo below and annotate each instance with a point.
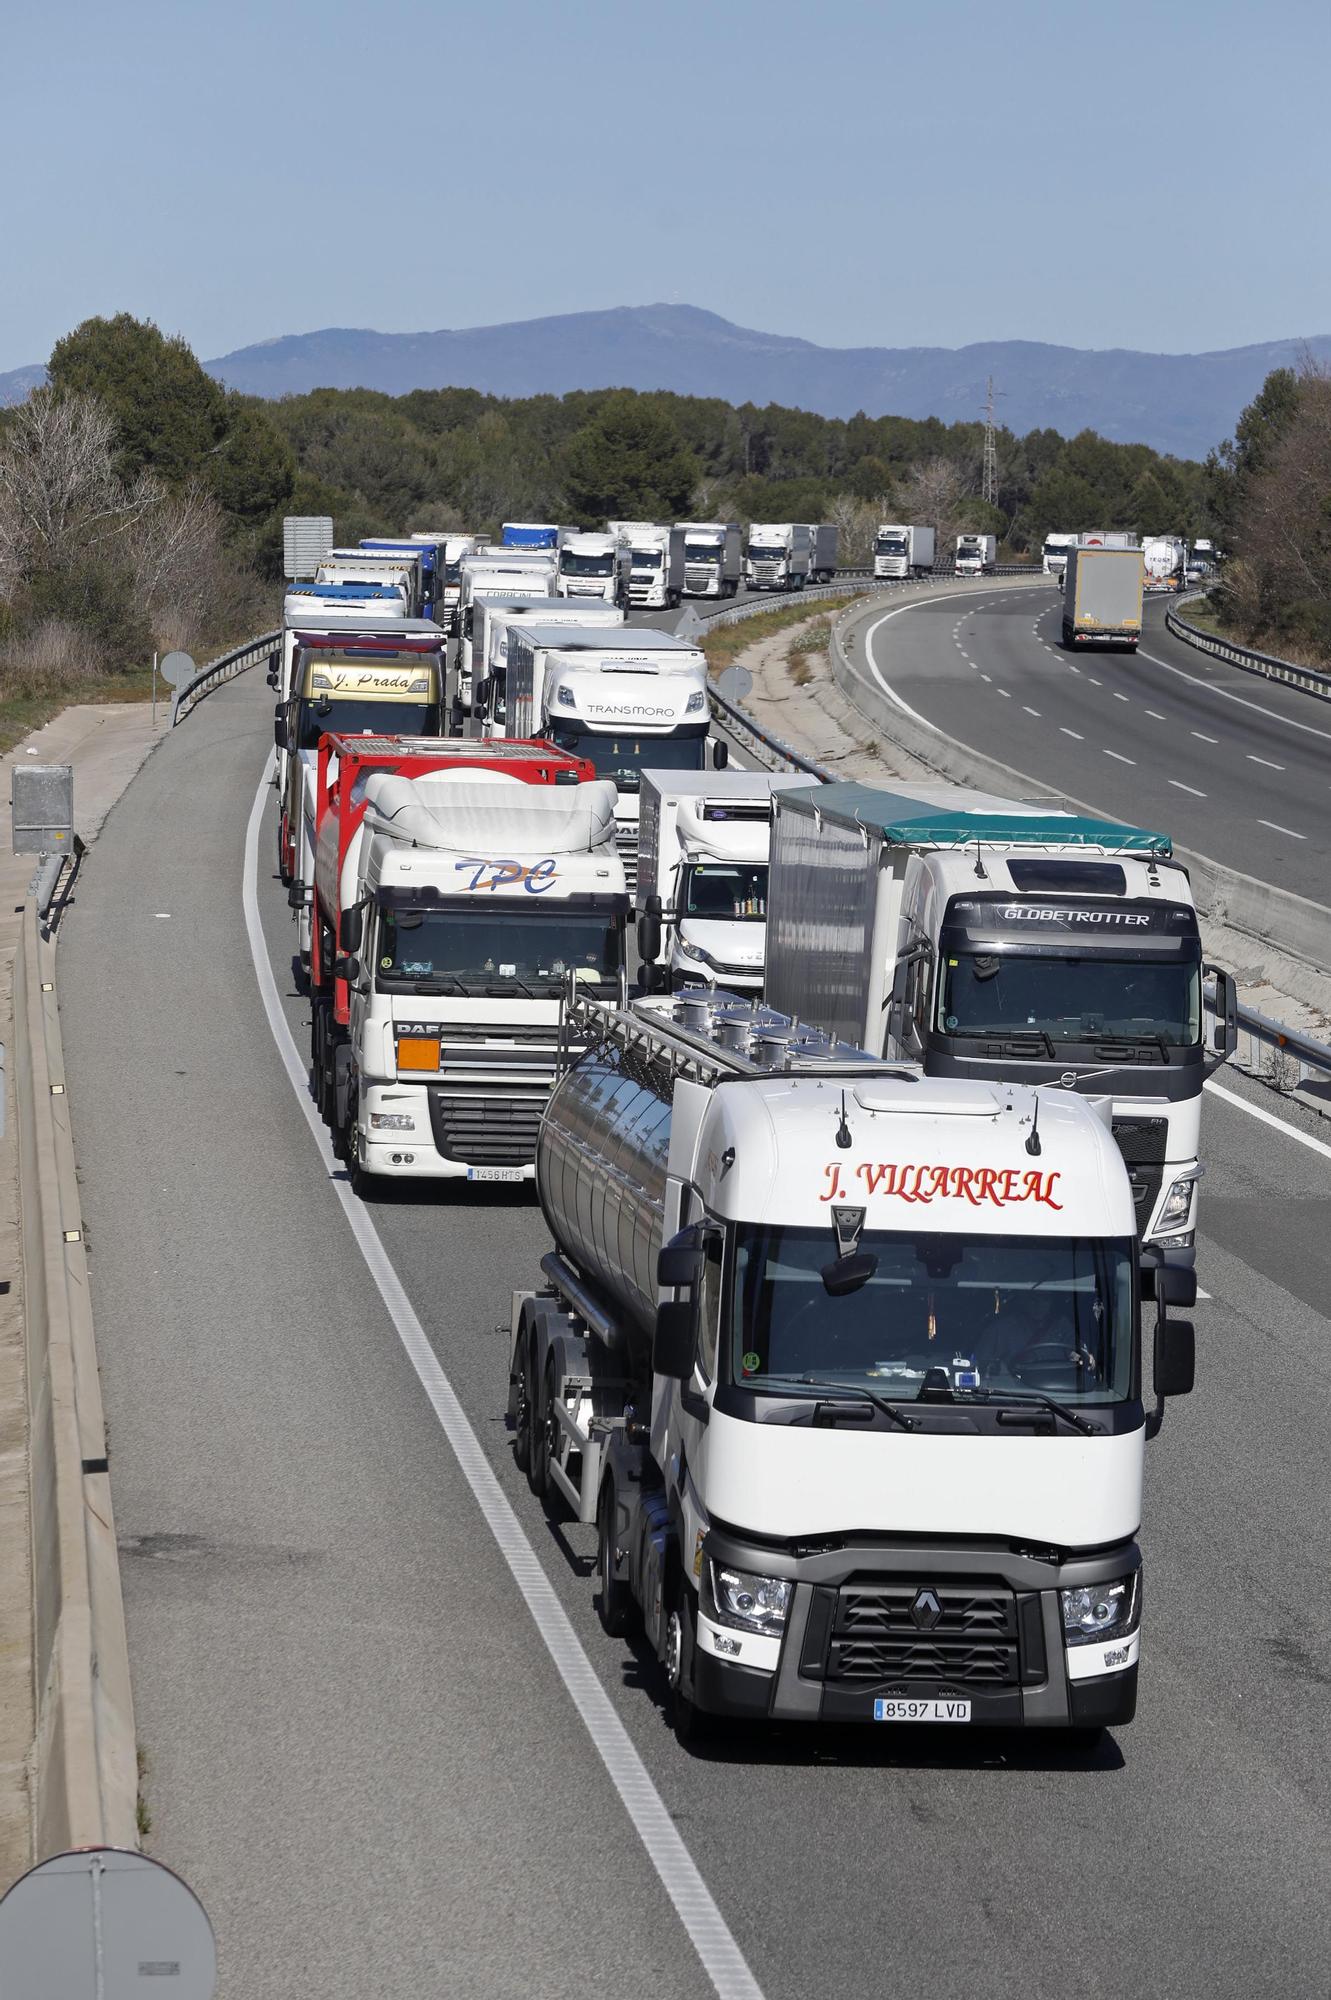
(921, 1711)
(494, 1173)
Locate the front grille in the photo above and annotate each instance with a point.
(486, 1131)
(1143, 1143)
(626, 844)
(875, 1636)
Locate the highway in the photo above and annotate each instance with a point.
(360, 1751)
(1233, 766)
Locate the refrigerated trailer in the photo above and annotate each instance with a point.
(1102, 597)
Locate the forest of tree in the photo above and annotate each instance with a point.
(141, 503)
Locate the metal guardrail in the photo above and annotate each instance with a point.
(1308, 679)
(224, 669)
(1308, 1055)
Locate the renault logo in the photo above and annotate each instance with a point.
(926, 1610)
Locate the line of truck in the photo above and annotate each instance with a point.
(865, 1125)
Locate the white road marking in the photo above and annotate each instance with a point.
(1200, 738)
(1119, 697)
(1032, 711)
(1228, 694)
(1155, 715)
(1282, 829)
(1119, 757)
(1179, 786)
(987, 677)
(1070, 732)
(1006, 696)
(1093, 681)
(1070, 667)
(1269, 1118)
(1264, 760)
(876, 671)
(710, 1935)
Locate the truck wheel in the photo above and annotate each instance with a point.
(522, 1416)
(616, 1603)
(538, 1449)
(1067, 637)
(691, 1725)
(317, 1081)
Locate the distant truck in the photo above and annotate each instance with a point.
(1102, 597)
(411, 545)
(823, 552)
(712, 558)
(701, 894)
(388, 566)
(656, 559)
(990, 938)
(976, 555)
(630, 700)
(533, 534)
(903, 551)
(461, 891)
(1164, 559)
(594, 566)
(454, 548)
(520, 572)
(1054, 555)
(489, 697)
(780, 556)
(1107, 538)
(324, 608)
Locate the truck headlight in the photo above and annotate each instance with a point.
(1178, 1205)
(696, 702)
(565, 697)
(391, 1121)
(1096, 1611)
(749, 1602)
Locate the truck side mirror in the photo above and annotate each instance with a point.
(280, 727)
(350, 928)
(720, 755)
(649, 939)
(1176, 1284)
(1175, 1356)
(673, 1341)
(1225, 1038)
(679, 1262)
(347, 966)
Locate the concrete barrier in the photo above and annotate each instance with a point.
(1292, 924)
(84, 1760)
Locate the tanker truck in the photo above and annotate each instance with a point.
(844, 1364)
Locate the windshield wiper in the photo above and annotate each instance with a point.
(1148, 1039)
(1019, 1040)
(903, 1422)
(1034, 1400)
(442, 982)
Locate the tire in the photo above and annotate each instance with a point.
(522, 1415)
(318, 1081)
(690, 1724)
(1068, 641)
(615, 1603)
(538, 1450)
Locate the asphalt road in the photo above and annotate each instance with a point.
(1232, 766)
(358, 1750)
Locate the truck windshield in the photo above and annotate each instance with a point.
(765, 554)
(572, 564)
(625, 758)
(648, 558)
(319, 714)
(701, 552)
(997, 1315)
(890, 545)
(727, 891)
(1071, 999)
(524, 948)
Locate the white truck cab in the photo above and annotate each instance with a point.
(780, 556)
(712, 558)
(701, 894)
(498, 616)
(656, 559)
(594, 566)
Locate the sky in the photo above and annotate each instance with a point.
(857, 174)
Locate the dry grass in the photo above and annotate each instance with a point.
(726, 645)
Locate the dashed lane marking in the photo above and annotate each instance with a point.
(1179, 786)
(1264, 760)
(1071, 732)
(1227, 694)
(1200, 738)
(1287, 830)
(1032, 711)
(1118, 756)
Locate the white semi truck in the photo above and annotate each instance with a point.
(594, 566)
(903, 550)
(523, 572)
(1102, 597)
(844, 1362)
(993, 939)
(489, 699)
(701, 892)
(780, 556)
(326, 607)
(713, 559)
(630, 700)
(392, 567)
(656, 563)
(1164, 559)
(976, 555)
(1054, 554)
(453, 548)
(470, 899)
(823, 542)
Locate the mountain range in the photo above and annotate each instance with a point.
(1180, 403)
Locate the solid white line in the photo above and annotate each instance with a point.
(1264, 760)
(1032, 711)
(1275, 828)
(1269, 1118)
(1070, 732)
(1119, 757)
(710, 1935)
(1200, 738)
(1179, 786)
(1241, 699)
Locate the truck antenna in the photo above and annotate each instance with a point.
(980, 874)
(1033, 1146)
(843, 1133)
